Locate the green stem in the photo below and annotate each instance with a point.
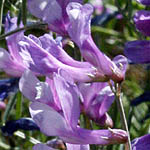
(122, 114)
(1, 14)
(24, 12)
(33, 26)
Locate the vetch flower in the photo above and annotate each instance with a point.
(65, 124)
(52, 12)
(96, 100)
(80, 32)
(52, 57)
(138, 51)
(142, 21)
(11, 62)
(141, 143)
(7, 86)
(21, 124)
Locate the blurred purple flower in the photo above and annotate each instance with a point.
(144, 2)
(21, 124)
(64, 123)
(138, 51)
(52, 12)
(98, 6)
(96, 100)
(52, 57)
(80, 32)
(141, 143)
(142, 21)
(2, 105)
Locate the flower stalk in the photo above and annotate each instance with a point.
(27, 27)
(122, 115)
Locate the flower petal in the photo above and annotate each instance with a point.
(138, 51)
(50, 122)
(144, 2)
(35, 90)
(9, 65)
(141, 143)
(69, 100)
(12, 40)
(142, 21)
(54, 49)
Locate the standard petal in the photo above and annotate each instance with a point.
(142, 21)
(12, 40)
(138, 51)
(9, 65)
(27, 85)
(141, 143)
(35, 90)
(50, 122)
(51, 12)
(49, 44)
(69, 100)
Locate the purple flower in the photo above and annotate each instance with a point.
(52, 12)
(142, 21)
(11, 62)
(144, 2)
(141, 143)
(138, 51)
(96, 100)
(35, 90)
(80, 32)
(52, 57)
(65, 123)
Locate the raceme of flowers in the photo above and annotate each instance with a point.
(70, 88)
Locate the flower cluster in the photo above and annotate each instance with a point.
(138, 51)
(70, 89)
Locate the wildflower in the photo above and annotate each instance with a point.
(23, 123)
(65, 123)
(52, 57)
(11, 62)
(80, 32)
(52, 12)
(142, 21)
(138, 51)
(7, 86)
(96, 100)
(141, 143)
